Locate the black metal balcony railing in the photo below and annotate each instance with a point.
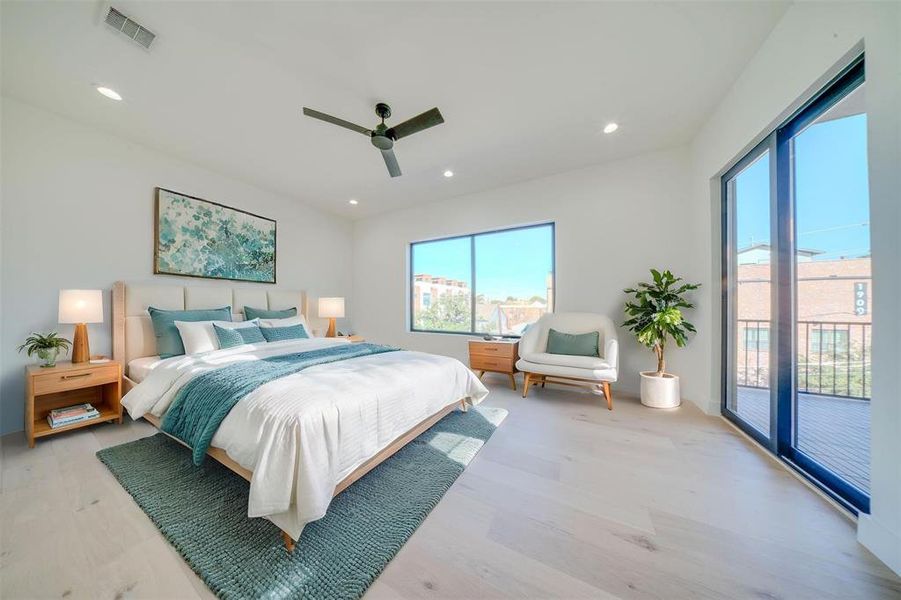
(833, 358)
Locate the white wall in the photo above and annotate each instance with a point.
(613, 223)
(77, 212)
(800, 55)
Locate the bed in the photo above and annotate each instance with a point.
(303, 438)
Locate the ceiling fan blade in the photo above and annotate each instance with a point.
(391, 162)
(429, 118)
(335, 121)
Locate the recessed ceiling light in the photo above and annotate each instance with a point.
(448, 173)
(109, 93)
(352, 201)
(610, 127)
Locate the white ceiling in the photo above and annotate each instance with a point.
(525, 88)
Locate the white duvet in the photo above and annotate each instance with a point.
(302, 434)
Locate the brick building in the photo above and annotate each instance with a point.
(834, 333)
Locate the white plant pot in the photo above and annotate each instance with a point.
(660, 392)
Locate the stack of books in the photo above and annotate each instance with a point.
(60, 417)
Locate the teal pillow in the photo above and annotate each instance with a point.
(261, 313)
(168, 340)
(582, 344)
(229, 338)
(291, 332)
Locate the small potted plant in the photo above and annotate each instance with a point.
(47, 347)
(655, 315)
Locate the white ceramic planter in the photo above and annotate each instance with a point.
(660, 392)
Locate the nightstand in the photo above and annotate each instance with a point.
(356, 339)
(67, 384)
(498, 356)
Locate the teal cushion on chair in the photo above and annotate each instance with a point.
(261, 313)
(582, 344)
(168, 340)
(277, 334)
(229, 338)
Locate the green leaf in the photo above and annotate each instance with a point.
(654, 311)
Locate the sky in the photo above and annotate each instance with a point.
(832, 193)
(508, 263)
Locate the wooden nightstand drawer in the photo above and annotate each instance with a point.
(502, 349)
(491, 363)
(71, 379)
(496, 356)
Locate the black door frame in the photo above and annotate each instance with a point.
(783, 399)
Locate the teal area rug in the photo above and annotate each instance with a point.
(202, 511)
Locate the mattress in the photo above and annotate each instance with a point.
(140, 368)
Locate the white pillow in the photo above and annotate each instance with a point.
(287, 322)
(199, 336)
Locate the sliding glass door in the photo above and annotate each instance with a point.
(797, 284)
(749, 277)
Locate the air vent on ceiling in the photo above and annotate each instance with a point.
(133, 30)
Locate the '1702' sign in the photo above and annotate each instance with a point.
(860, 298)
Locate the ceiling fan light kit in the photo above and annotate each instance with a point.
(382, 136)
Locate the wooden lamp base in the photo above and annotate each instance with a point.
(331, 327)
(81, 349)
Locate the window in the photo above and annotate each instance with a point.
(497, 282)
(757, 339)
(829, 341)
(797, 324)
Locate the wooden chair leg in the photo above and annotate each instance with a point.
(608, 395)
(525, 384)
(289, 543)
(543, 380)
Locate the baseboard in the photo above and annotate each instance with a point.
(842, 510)
(880, 540)
(712, 409)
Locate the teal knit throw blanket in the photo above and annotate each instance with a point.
(202, 404)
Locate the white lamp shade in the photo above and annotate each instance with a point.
(80, 306)
(331, 308)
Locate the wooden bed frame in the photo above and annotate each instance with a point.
(401, 441)
(220, 455)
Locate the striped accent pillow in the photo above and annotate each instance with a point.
(229, 338)
(291, 332)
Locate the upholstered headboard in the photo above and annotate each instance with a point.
(133, 331)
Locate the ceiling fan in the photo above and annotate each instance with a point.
(383, 137)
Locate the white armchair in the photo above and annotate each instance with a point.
(540, 367)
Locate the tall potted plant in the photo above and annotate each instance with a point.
(654, 316)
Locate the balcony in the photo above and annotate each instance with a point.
(833, 380)
(833, 430)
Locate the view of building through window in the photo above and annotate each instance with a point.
(497, 282)
(831, 310)
(833, 273)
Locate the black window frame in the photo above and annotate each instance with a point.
(781, 440)
(411, 271)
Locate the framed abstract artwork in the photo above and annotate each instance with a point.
(199, 238)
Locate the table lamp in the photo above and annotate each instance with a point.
(331, 308)
(81, 307)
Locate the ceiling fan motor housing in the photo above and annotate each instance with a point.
(381, 136)
(382, 141)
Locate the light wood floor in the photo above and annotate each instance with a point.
(567, 500)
